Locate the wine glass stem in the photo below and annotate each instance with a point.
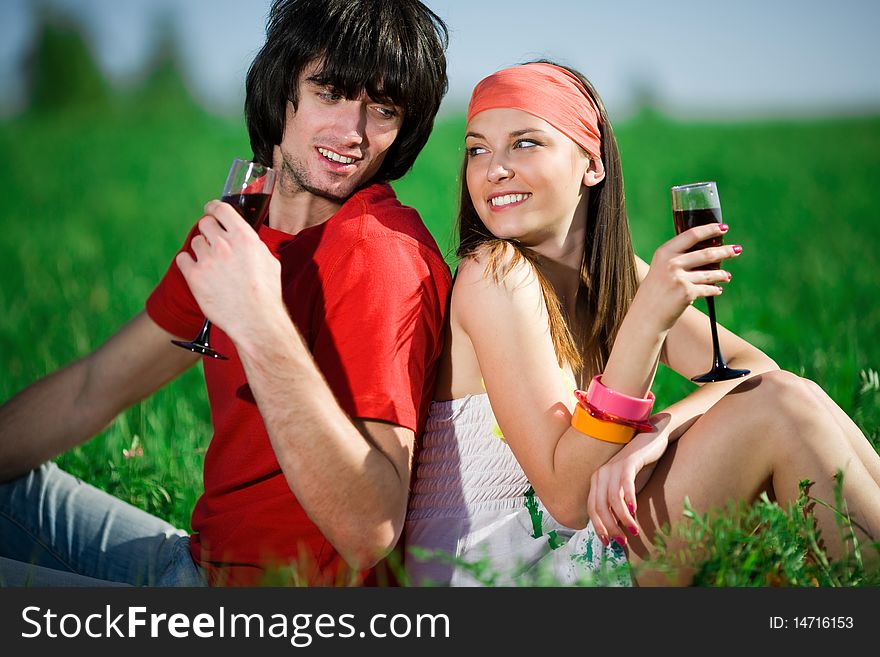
(716, 348)
(204, 334)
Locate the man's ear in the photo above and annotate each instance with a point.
(595, 173)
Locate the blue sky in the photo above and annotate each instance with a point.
(696, 58)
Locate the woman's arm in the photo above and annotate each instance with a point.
(688, 350)
(508, 326)
(666, 291)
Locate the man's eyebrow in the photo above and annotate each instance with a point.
(319, 81)
(515, 133)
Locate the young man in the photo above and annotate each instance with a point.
(332, 317)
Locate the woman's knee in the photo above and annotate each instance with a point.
(814, 388)
(782, 393)
(776, 407)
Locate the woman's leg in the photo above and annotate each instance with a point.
(767, 434)
(869, 456)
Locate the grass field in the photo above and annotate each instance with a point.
(97, 204)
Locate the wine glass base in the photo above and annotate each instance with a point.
(720, 374)
(199, 349)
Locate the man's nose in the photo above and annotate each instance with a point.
(351, 121)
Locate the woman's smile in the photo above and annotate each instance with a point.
(507, 200)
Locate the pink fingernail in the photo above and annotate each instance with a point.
(633, 530)
(724, 228)
(604, 540)
(632, 509)
(737, 249)
(621, 540)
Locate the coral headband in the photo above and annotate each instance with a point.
(549, 92)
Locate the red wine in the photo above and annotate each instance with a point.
(252, 207)
(686, 219)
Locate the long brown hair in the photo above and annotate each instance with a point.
(608, 277)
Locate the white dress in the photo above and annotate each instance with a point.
(472, 509)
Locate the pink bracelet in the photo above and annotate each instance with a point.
(617, 404)
(639, 426)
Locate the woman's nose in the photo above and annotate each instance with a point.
(498, 171)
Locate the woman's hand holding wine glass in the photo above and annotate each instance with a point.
(687, 267)
(678, 277)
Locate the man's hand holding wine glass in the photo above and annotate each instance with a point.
(234, 278)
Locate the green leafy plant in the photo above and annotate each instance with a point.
(608, 573)
(765, 544)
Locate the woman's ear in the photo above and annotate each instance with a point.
(595, 173)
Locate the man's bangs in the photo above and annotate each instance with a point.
(349, 72)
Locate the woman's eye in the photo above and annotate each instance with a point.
(525, 143)
(475, 150)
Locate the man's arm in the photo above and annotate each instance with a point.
(351, 477)
(69, 406)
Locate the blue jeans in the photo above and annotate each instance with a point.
(56, 530)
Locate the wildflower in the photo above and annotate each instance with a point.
(134, 450)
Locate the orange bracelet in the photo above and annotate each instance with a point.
(601, 415)
(610, 432)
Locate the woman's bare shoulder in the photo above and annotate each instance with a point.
(496, 283)
(496, 265)
(642, 268)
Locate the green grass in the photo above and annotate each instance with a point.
(96, 204)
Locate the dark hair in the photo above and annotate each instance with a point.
(392, 49)
(609, 277)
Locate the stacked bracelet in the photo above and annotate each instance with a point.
(602, 415)
(617, 404)
(610, 432)
(609, 415)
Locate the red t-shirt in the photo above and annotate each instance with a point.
(367, 289)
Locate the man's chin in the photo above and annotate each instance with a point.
(338, 192)
(324, 185)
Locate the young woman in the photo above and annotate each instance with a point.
(515, 469)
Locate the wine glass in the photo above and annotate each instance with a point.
(248, 189)
(694, 205)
